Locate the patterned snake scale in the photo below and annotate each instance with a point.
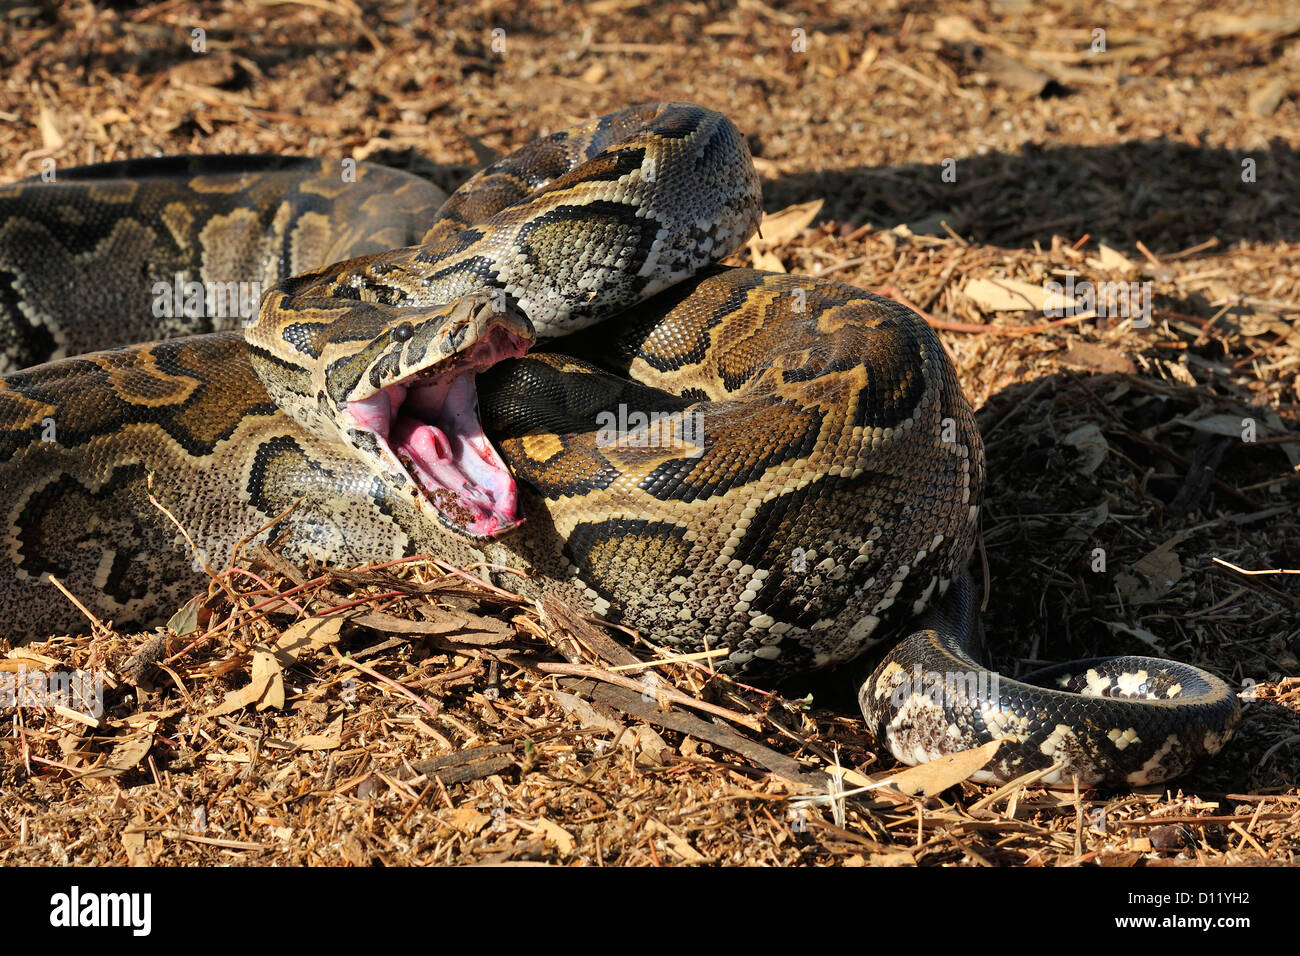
(780, 466)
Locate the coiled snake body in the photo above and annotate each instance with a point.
(780, 466)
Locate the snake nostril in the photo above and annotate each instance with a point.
(403, 332)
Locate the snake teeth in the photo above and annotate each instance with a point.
(429, 423)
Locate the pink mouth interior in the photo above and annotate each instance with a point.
(430, 422)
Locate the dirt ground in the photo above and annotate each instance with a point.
(960, 151)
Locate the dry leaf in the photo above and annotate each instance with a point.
(1005, 295)
(125, 755)
(949, 770)
(994, 66)
(149, 719)
(953, 28)
(851, 777)
(51, 138)
(467, 820)
(1089, 355)
(185, 621)
(934, 224)
(213, 70)
(676, 842)
(266, 689)
(329, 739)
(1091, 445)
(137, 851)
(899, 858)
(780, 227)
(1227, 425)
(1114, 261)
(586, 715)
(112, 115)
(1162, 565)
(1118, 857)
(1266, 98)
(767, 261)
(646, 743)
(467, 628)
(556, 834)
(313, 634)
(1162, 569)
(1264, 323)
(1085, 521)
(1141, 633)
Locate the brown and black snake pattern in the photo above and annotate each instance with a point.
(780, 466)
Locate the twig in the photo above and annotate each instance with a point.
(667, 693)
(1228, 564)
(405, 692)
(680, 659)
(96, 624)
(1237, 818)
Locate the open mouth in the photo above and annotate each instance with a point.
(429, 423)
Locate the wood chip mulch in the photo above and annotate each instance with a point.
(1144, 476)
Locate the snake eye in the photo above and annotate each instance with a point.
(403, 332)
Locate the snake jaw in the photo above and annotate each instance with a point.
(427, 431)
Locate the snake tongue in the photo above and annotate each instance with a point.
(436, 434)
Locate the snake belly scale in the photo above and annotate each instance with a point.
(545, 370)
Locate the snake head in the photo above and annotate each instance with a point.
(398, 382)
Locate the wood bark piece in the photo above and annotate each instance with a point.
(719, 735)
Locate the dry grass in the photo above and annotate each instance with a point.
(451, 738)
